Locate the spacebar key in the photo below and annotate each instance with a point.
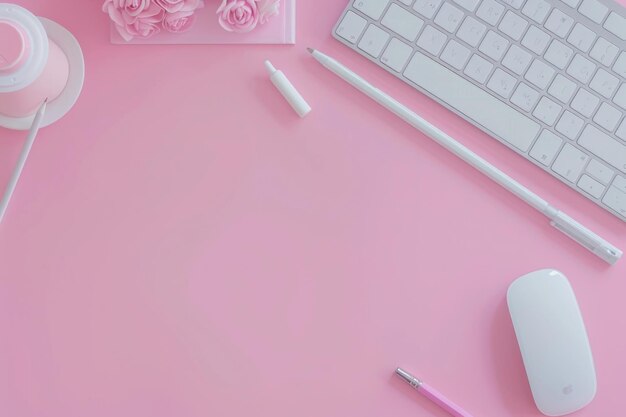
(475, 103)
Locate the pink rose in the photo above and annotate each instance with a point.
(173, 6)
(134, 18)
(238, 15)
(267, 9)
(179, 22)
(129, 9)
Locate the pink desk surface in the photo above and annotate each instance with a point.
(182, 245)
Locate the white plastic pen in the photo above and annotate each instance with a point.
(32, 134)
(558, 219)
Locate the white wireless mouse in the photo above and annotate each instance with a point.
(553, 341)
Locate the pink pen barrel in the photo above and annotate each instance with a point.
(439, 399)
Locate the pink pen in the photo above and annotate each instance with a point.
(433, 395)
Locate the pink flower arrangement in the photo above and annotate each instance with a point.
(146, 18)
(245, 15)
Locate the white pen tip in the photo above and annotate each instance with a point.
(43, 107)
(311, 50)
(270, 68)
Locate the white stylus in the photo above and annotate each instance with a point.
(32, 134)
(558, 219)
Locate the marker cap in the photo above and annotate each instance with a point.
(291, 94)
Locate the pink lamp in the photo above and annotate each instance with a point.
(41, 76)
(39, 59)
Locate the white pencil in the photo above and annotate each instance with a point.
(32, 134)
(558, 219)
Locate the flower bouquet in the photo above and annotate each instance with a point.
(201, 21)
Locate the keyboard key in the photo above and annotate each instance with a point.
(604, 147)
(616, 200)
(431, 40)
(585, 103)
(591, 186)
(478, 68)
(620, 183)
(558, 54)
(570, 163)
(540, 74)
(547, 111)
(516, 4)
(351, 27)
(374, 40)
(501, 83)
(517, 59)
(536, 40)
(404, 23)
(616, 24)
(581, 68)
(570, 125)
(594, 10)
(621, 131)
(581, 37)
(513, 25)
(471, 31)
(546, 147)
(600, 171)
(493, 45)
(559, 23)
(536, 10)
(426, 8)
(490, 11)
(620, 97)
(604, 83)
(372, 8)
(469, 5)
(525, 97)
(449, 17)
(396, 55)
(620, 65)
(562, 88)
(455, 54)
(510, 125)
(604, 52)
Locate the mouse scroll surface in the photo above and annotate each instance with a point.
(553, 342)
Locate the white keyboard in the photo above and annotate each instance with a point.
(545, 77)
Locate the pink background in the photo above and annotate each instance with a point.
(182, 244)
